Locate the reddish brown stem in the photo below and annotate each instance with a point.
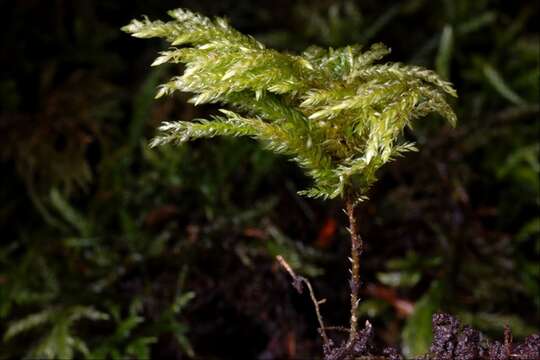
(356, 251)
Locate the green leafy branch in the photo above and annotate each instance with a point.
(335, 112)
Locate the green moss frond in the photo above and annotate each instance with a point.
(335, 112)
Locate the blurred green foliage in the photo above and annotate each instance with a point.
(110, 249)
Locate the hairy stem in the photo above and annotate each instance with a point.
(356, 251)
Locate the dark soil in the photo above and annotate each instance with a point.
(450, 341)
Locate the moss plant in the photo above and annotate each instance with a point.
(336, 112)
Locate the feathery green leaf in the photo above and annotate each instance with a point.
(335, 112)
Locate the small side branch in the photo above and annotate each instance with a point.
(297, 283)
(337, 328)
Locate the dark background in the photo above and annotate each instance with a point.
(111, 249)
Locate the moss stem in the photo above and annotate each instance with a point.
(356, 251)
